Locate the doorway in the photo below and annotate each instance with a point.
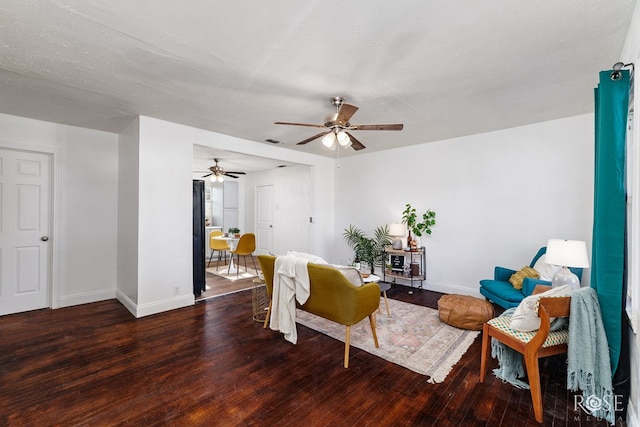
(25, 209)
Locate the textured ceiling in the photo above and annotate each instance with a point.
(443, 68)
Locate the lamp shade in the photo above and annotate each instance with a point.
(567, 253)
(396, 229)
(343, 139)
(329, 140)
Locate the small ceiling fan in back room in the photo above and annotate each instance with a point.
(338, 126)
(217, 172)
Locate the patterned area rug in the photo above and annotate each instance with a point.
(413, 337)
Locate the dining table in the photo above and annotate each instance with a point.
(232, 241)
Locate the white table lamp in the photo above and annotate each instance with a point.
(567, 253)
(397, 231)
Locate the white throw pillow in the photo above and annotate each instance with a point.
(351, 273)
(311, 258)
(546, 271)
(525, 318)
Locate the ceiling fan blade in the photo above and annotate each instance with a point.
(313, 137)
(355, 144)
(397, 126)
(345, 113)
(299, 124)
(229, 174)
(236, 173)
(209, 174)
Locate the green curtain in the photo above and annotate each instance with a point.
(609, 215)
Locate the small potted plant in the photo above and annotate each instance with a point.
(410, 218)
(388, 268)
(235, 231)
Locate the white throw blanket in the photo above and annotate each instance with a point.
(290, 284)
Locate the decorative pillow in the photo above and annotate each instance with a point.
(525, 317)
(546, 271)
(517, 277)
(311, 258)
(351, 273)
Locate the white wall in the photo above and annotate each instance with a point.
(155, 214)
(162, 167)
(85, 204)
(292, 206)
(498, 196)
(165, 242)
(127, 253)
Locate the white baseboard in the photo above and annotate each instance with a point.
(444, 288)
(85, 298)
(126, 301)
(141, 310)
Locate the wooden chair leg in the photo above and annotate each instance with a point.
(266, 320)
(372, 322)
(486, 348)
(533, 373)
(210, 256)
(347, 343)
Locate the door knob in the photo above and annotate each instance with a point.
(44, 238)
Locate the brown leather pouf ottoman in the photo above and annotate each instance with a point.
(464, 311)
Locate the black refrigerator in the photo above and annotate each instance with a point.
(199, 240)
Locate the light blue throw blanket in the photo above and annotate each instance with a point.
(588, 367)
(509, 361)
(588, 362)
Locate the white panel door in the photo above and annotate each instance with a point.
(24, 231)
(264, 215)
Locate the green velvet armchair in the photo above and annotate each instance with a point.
(501, 292)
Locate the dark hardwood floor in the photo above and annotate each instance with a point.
(211, 364)
(216, 286)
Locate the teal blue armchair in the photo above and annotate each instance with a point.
(500, 291)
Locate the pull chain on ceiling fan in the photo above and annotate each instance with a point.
(338, 124)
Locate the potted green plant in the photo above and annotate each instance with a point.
(235, 231)
(388, 268)
(418, 227)
(368, 249)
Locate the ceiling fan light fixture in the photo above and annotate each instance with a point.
(344, 139)
(337, 123)
(329, 140)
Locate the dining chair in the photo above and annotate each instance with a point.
(532, 345)
(217, 245)
(246, 246)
